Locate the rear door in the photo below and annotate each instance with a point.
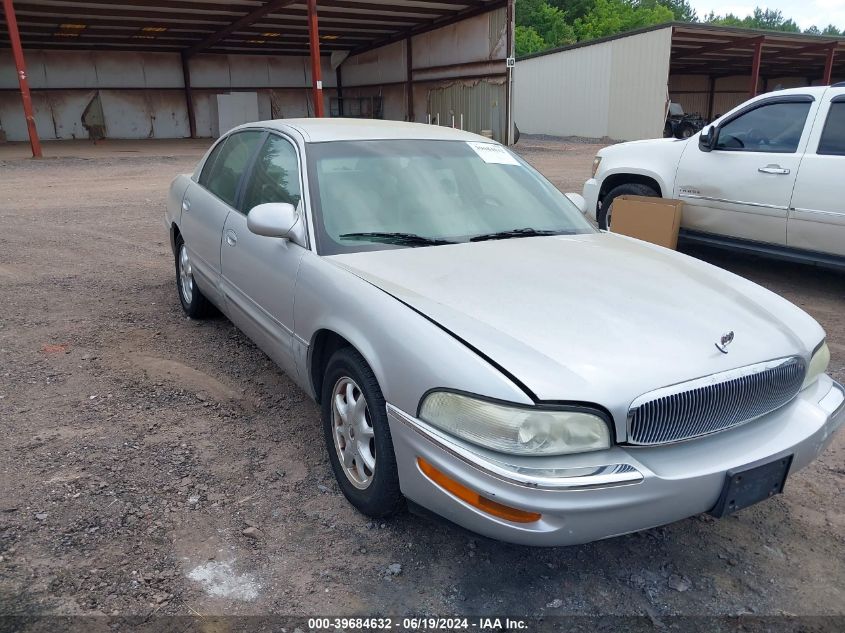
(207, 203)
(258, 272)
(817, 217)
(742, 187)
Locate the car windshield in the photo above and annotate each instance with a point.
(370, 195)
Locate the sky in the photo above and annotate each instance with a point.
(806, 13)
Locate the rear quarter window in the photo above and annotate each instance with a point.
(832, 141)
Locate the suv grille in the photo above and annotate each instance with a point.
(713, 403)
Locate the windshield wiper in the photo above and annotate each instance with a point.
(405, 239)
(503, 235)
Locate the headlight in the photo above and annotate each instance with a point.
(515, 430)
(596, 163)
(818, 365)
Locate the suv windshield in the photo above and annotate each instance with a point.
(370, 195)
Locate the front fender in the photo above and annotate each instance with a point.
(408, 353)
(655, 159)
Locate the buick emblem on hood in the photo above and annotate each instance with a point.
(727, 339)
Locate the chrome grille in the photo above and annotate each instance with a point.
(714, 403)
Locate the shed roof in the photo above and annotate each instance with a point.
(278, 27)
(713, 50)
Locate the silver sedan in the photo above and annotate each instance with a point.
(479, 350)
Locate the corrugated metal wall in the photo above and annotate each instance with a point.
(638, 83)
(693, 91)
(481, 102)
(615, 89)
(453, 70)
(142, 94)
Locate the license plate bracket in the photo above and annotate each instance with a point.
(751, 484)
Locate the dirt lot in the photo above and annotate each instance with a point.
(139, 445)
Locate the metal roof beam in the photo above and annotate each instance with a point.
(245, 21)
(739, 42)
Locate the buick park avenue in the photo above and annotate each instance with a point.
(440, 300)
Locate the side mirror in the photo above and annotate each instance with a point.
(275, 219)
(578, 200)
(707, 138)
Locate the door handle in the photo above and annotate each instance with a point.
(231, 237)
(774, 169)
(186, 204)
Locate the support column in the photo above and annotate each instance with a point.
(828, 66)
(508, 140)
(338, 73)
(189, 95)
(20, 64)
(711, 99)
(316, 69)
(755, 69)
(409, 78)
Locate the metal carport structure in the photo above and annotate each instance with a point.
(617, 87)
(417, 60)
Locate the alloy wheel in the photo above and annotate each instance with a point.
(353, 434)
(186, 277)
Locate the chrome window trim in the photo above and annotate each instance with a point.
(579, 478)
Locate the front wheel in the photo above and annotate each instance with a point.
(605, 210)
(358, 436)
(193, 301)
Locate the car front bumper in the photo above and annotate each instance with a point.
(591, 196)
(593, 496)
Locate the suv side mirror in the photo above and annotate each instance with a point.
(707, 138)
(276, 219)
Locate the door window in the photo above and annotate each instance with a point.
(772, 128)
(833, 136)
(230, 164)
(209, 163)
(275, 177)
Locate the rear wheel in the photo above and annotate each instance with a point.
(358, 435)
(630, 188)
(193, 301)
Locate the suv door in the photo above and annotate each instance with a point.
(207, 203)
(817, 217)
(259, 273)
(742, 187)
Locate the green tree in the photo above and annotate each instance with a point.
(813, 30)
(610, 17)
(764, 19)
(832, 30)
(527, 40)
(547, 21)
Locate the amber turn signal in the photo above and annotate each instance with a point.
(474, 499)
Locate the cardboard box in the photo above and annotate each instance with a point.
(655, 220)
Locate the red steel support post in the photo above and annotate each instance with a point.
(26, 98)
(755, 69)
(316, 71)
(828, 65)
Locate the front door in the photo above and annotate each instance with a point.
(742, 187)
(259, 273)
(817, 218)
(207, 203)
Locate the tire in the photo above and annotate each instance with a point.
(194, 303)
(373, 490)
(687, 130)
(629, 188)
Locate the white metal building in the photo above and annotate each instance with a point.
(183, 68)
(618, 87)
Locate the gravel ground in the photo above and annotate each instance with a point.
(151, 464)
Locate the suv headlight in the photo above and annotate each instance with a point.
(513, 429)
(596, 163)
(818, 365)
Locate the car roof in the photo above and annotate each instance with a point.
(340, 129)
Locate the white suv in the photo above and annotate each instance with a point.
(768, 176)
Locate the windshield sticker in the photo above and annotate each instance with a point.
(493, 153)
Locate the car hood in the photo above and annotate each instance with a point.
(592, 318)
